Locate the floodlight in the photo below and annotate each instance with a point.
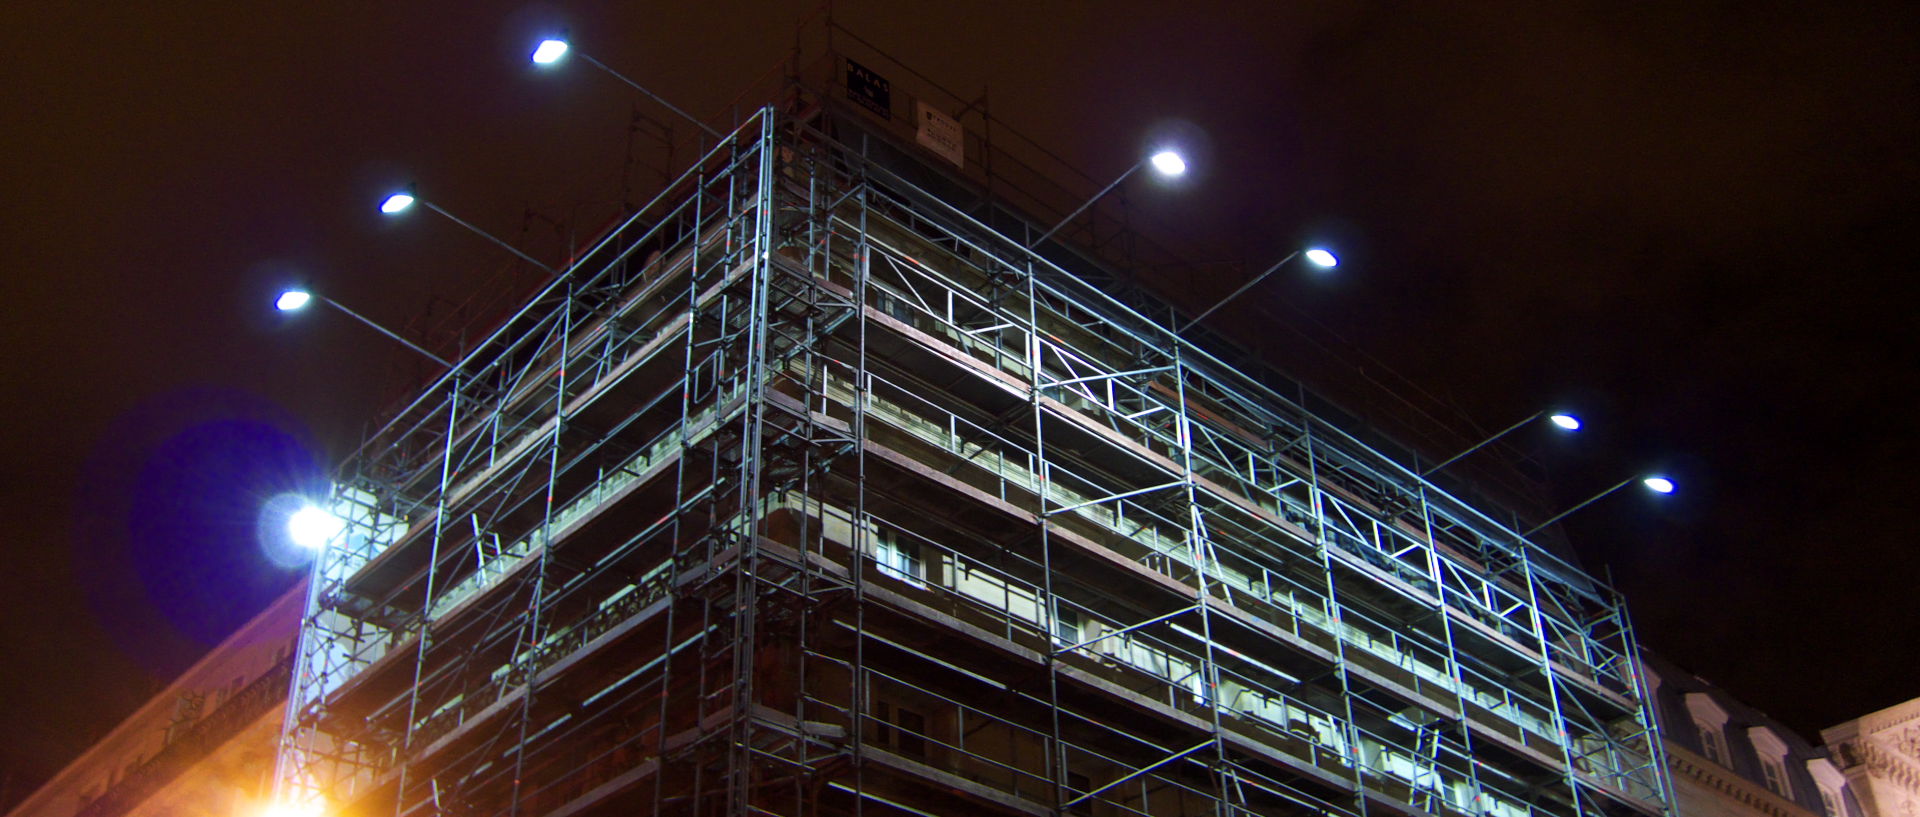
(293, 299)
(1322, 258)
(312, 527)
(1169, 163)
(549, 51)
(396, 203)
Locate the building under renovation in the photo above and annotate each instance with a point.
(812, 488)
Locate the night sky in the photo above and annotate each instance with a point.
(1693, 222)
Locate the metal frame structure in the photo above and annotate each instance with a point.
(806, 492)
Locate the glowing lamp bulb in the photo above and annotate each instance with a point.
(1566, 421)
(292, 299)
(549, 52)
(1322, 258)
(1658, 484)
(1169, 163)
(311, 527)
(396, 203)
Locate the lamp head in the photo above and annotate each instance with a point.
(1660, 485)
(396, 203)
(1322, 258)
(293, 300)
(312, 527)
(1565, 421)
(1168, 163)
(549, 51)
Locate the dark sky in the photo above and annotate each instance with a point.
(1694, 221)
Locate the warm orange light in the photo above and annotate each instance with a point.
(305, 808)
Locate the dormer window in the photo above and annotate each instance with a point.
(1831, 784)
(1776, 776)
(1773, 754)
(1710, 723)
(1712, 743)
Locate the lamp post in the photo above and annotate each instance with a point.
(1166, 162)
(1652, 482)
(294, 300)
(553, 49)
(396, 203)
(1319, 257)
(1560, 420)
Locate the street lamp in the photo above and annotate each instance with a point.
(1560, 420)
(294, 300)
(551, 50)
(397, 203)
(1317, 256)
(1652, 482)
(312, 527)
(1166, 161)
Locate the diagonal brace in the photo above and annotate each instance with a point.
(1078, 505)
(1138, 772)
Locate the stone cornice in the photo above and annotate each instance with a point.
(1890, 717)
(1885, 763)
(1713, 776)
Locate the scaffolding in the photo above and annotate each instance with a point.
(805, 491)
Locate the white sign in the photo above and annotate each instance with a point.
(941, 134)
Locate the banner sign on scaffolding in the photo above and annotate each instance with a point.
(941, 134)
(870, 89)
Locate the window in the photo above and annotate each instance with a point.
(900, 729)
(1079, 784)
(1710, 723)
(1712, 745)
(1066, 628)
(898, 559)
(1773, 753)
(1776, 776)
(1831, 784)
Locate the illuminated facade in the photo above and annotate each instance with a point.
(810, 489)
(203, 746)
(1730, 760)
(1878, 756)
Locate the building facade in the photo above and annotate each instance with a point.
(1879, 759)
(1731, 760)
(203, 746)
(815, 488)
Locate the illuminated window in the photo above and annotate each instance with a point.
(896, 558)
(1066, 628)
